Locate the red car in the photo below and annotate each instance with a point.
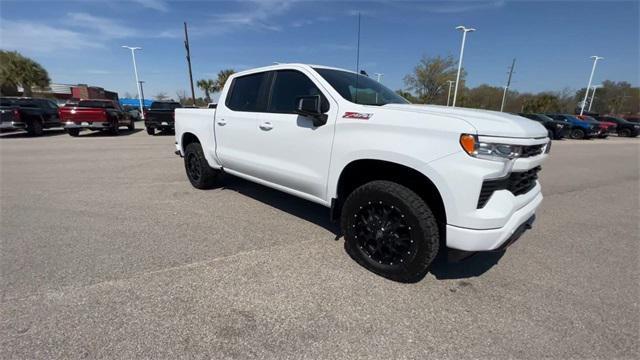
(606, 127)
(104, 115)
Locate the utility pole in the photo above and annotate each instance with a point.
(141, 91)
(449, 94)
(506, 88)
(186, 45)
(586, 93)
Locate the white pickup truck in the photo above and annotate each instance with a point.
(405, 181)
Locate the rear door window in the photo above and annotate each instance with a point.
(248, 93)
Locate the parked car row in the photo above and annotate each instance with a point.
(34, 115)
(584, 126)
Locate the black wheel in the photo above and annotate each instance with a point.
(550, 134)
(35, 128)
(132, 125)
(577, 134)
(200, 174)
(390, 230)
(151, 131)
(73, 132)
(624, 132)
(115, 130)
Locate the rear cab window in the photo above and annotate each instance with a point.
(248, 93)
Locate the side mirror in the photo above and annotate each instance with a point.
(311, 106)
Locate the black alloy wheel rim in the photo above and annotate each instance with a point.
(383, 233)
(193, 166)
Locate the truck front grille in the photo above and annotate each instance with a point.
(518, 183)
(533, 150)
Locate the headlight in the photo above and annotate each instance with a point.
(489, 151)
(636, 126)
(559, 125)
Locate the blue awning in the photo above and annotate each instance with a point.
(135, 102)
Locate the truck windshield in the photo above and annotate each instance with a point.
(360, 89)
(165, 105)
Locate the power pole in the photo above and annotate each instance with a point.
(186, 45)
(506, 88)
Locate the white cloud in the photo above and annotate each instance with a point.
(35, 37)
(257, 15)
(454, 6)
(104, 27)
(158, 5)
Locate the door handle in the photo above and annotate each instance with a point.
(222, 122)
(266, 126)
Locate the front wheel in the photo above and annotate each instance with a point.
(151, 131)
(200, 174)
(577, 134)
(73, 132)
(390, 230)
(624, 133)
(132, 125)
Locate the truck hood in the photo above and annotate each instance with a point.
(489, 123)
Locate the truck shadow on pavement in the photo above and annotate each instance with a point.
(23, 134)
(317, 214)
(107, 134)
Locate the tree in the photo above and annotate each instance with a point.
(542, 103)
(208, 86)
(429, 80)
(483, 97)
(182, 97)
(161, 96)
(407, 95)
(223, 75)
(17, 70)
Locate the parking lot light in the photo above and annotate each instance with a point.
(464, 38)
(449, 93)
(586, 93)
(135, 71)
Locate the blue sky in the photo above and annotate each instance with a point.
(79, 41)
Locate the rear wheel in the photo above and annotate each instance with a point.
(151, 131)
(200, 174)
(35, 128)
(132, 125)
(577, 134)
(390, 230)
(624, 132)
(115, 130)
(73, 132)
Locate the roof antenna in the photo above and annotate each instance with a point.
(358, 59)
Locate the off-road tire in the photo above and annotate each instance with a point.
(416, 216)
(200, 174)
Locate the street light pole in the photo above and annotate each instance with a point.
(464, 38)
(506, 88)
(593, 95)
(586, 93)
(449, 94)
(135, 71)
(379, 77)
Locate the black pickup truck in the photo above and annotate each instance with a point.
(161, 116)
(556, 129)
(30, 114)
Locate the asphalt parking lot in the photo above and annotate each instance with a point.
(108, 252)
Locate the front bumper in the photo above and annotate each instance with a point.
(494, 239)
(13, 125)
